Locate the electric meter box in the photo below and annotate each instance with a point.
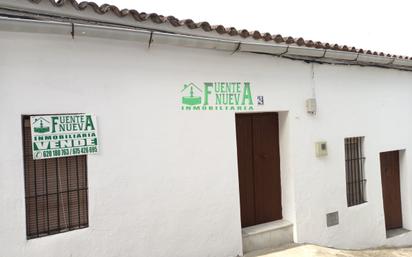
(321, 149)
(311, 105)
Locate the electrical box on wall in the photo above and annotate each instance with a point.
(332, 219)
(311, 105)
(321, 149)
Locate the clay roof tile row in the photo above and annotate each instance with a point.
(205, 26)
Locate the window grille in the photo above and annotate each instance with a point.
(355, 174)
(55, 191)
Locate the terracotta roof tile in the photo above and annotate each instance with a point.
(278, 38)
(244, 33)
(289, 40)
(267, 36)
(300, 42)
(256, 35)
(310, 43)
(207, 27)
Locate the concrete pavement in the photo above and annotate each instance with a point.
(306, 250)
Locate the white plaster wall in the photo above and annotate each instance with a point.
(165, 182)
(287, 171)
(406, 181)
(352, 101)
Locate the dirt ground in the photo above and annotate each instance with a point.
(307, 250)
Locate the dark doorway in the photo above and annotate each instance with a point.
(391, 189)
(259, 168)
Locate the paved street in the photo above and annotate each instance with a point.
(317, 251)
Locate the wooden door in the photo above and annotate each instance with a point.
(259, 168)
(391, 190)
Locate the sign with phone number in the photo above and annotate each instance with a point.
(63, 135)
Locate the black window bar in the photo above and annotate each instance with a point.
(56, 191)
(355, 173)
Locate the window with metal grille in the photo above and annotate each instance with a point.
(55, 191)
(355, 173)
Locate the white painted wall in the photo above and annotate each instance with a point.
(165, 182)
(353, 101)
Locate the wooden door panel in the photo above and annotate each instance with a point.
(257, 138)
(391, 192)
(245, 169)
(266, 168)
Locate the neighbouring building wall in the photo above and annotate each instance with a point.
(352, 101)
(165, 182)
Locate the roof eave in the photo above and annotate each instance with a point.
(88, 23)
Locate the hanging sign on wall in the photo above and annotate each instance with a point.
(63, 135)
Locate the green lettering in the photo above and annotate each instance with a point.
(54, 123)
(247, 95)
(207, 92)
(89, 123)
(218, 98)
(43, 145)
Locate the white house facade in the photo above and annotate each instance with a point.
(210, 144)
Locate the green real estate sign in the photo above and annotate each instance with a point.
(219, 96)
(63, 135)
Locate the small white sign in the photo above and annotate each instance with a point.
(63, 135)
